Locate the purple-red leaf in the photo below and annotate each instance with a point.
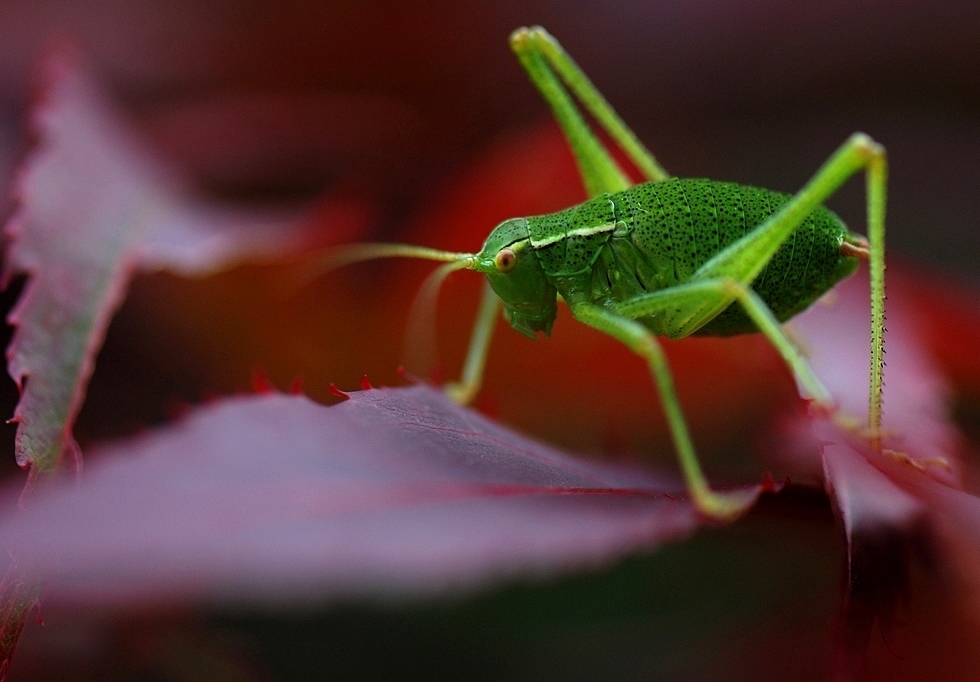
(888, 502)
(95, 207)
(274, 497)
(915, 398)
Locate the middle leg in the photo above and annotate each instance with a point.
(712, 294)
(724, 506)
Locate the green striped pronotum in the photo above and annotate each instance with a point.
(669, 257)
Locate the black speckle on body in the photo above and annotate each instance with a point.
(656, 235)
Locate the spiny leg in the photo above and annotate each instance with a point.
(877, 180)
(551, 69)
(694, 296)
(745, 259)
(464, 390)
(533, 43)
(722, 506)
(600, 172)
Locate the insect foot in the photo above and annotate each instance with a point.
(723, 507)
(856, 428)
(461, 392)
(917, 464)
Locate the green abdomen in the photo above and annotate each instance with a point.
(669, 229)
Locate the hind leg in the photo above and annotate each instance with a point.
(741, 262)
(557, 77)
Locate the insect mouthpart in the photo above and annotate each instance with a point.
(527, 324)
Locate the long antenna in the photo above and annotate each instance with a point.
(420, 344)
(356, 253)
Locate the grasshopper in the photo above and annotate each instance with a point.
(669, 257)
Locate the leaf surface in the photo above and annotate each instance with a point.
(95, 207)
(890, 505)
(393, 492)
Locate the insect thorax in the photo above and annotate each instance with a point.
(655, 235)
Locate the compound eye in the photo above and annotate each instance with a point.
(505, 260)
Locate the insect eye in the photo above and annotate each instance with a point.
(505, 260)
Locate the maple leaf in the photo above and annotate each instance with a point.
(274, 498)
(95, 208)
(891, 503)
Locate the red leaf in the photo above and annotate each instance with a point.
(889, 507)
(95, 207)
(395, 491)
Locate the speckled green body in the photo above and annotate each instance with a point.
(657, 234)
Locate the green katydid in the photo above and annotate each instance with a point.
(668, 257)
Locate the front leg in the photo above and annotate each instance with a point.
(464, 390)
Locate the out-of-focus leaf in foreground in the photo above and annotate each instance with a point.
(274, 497)
(891, 505)
(95, 207)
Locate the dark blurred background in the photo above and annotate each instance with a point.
(395, 107)
(750, 90)
(389, 104)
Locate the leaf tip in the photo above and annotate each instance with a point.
(768, 483)
(337, 392)
(365, 383)
(261, 384)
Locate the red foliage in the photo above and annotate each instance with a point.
(276, 499)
